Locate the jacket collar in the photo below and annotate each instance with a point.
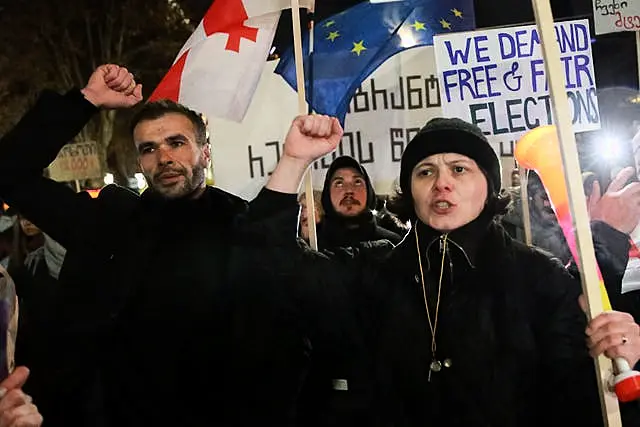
(462, 243)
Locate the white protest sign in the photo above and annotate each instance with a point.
(390, 107)
(76, 162)
(496, 79)
(610, 16)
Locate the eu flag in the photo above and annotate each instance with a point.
(349, 46)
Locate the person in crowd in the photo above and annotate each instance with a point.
(545, 230)
(27, 238)
(349, 202)
(631, 278)
(463, 325)
(37, 289)
(303, 229)
(16, 407)
(515, 178)
(614, 216)
(34, 285)
(6, 238)
(149, 291)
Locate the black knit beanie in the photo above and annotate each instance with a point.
(444, 135)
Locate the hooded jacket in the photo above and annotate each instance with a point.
(340, 231)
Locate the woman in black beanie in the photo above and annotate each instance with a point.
(481, 329)
(458, 325)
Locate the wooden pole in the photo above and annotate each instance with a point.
(638, 55)
(577, 202)
(302, 110)
(524, 198)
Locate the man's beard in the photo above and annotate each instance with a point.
(352, 207)
(179, 190)
(350, 201)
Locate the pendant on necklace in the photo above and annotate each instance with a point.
(435, 366)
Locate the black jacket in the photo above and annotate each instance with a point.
(509, 322)
(148, 296)
(612, 253)
(320, 404)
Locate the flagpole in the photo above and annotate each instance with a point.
(577, 204)
(302, 110)
(311, 17)
(638, 55)
(524, 198)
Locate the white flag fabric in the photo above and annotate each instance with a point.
(218, 69)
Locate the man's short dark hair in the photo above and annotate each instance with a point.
(155, 110)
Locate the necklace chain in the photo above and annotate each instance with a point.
(433, 326)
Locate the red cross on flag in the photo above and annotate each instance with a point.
(217, 70)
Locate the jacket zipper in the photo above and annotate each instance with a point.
(441, 248)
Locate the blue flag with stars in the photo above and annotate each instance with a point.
(349, 46)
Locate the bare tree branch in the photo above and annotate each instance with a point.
(69, 42)
(89, 33)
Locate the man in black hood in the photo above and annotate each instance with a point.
(348, 200)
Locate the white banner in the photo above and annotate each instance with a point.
(390, 107)
(610, 16)
(496, 79)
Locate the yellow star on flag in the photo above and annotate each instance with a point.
(445, 24)
(457, 13)
(329, 24)
(417, 25)
(333, 35)
(358, 48)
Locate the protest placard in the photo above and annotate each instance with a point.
(610, 16)
(76, 162)
(496, 79)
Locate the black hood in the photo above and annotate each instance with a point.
(339, 163)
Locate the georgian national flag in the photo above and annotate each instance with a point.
(218, 69)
